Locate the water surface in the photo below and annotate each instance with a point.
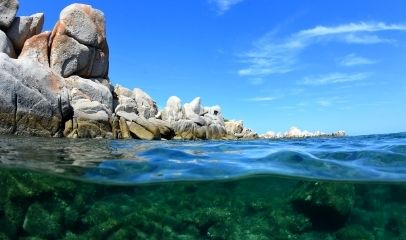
(325, 188)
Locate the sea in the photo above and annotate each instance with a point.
(312, 188)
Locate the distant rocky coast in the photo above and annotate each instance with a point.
(56, 84)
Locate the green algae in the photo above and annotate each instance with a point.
(39, 206)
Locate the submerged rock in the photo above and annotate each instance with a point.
(327, 205)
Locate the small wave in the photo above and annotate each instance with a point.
(373, 158)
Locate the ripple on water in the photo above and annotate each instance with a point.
(378, 158)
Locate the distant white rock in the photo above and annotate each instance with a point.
(295, 132)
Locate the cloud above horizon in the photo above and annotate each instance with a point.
(333, 78)
(224, 5)
(271, 55)
(355, 60)
(262, 99)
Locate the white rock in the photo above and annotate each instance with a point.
(146, 106)
(8, 11)
(173, 110)
(24, 28)
(6, 46)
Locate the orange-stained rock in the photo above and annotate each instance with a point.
(78, 43)
(36, 48)
(84, 23)
(68, 57)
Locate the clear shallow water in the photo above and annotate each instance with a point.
(343, 188)
(373, 158)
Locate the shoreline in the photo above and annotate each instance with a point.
(56, 84)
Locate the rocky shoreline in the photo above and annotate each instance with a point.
(56, 84)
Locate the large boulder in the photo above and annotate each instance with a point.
(193, 108)
(234, 126)
(78, 43)
(23, 28)
(92, 103)
(8, 11)
(146, 106)
(84, 23)
(36, 48)
(90, 98)
(136, 101)
(142, 127)
(68, 57)
(165, 128)
(34, 100)
(6, 46)
(173, 110)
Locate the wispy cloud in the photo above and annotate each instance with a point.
(277, 56)
(261, 99)
(224, 5)
(333, 78)
(355, 60)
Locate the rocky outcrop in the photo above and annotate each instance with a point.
(34, 100)
(135, 101)
(23, 28)
(236, 128)
(193, 121)
(295, 132)
(8, 11)
(59, 86)
(92, 102)
(78, 43)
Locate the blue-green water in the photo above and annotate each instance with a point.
(321, 188)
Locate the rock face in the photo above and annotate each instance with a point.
(193, 121)
(92, 102)
(23, 28)
(8, 10)
(236, 128)
(78, 43)
(35, 101)
(59, 86)
(6, 46)
(36, 48)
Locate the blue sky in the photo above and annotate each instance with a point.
(317, 65)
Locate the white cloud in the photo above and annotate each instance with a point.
(355, 60)
(272, 56)
(351, 28)
(333, 78)
(261, 99)
(224, 5)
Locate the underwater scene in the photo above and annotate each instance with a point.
(315, 188)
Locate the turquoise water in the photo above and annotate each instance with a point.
(324, 188)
